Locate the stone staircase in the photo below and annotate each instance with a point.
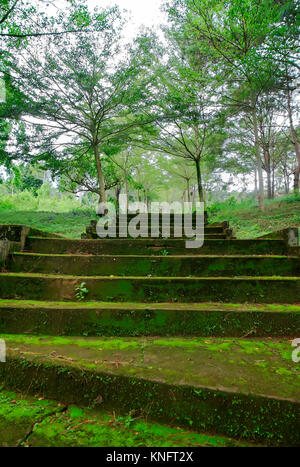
(198, 339)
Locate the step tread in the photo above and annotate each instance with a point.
(150, 279)
(153, 258)
(145, 240)
(225, 307)
(258, 367)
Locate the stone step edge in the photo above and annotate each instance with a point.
(209, 306)
(152, 279)
(144, 240)
(153, 258)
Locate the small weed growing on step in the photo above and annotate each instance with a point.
(81, 292)
(164, 253)
(127, 421)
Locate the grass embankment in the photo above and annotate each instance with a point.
(70, 224)
(249, 222)
(245, 218)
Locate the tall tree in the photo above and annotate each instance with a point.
(84, 94)
(232, 33)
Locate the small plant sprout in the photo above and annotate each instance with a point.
(81, 292)
(164, 253)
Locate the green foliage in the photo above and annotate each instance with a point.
(23, 19)
(248, 222)
(164, 253)
(231, 203)
(42, 199)
(81, 292)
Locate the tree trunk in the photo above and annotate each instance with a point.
(101, 182)
(267, 159)
(296, 180)
(255, 183)
(261, 191)
(188, 189)
(199, 181)
(273, 180)
(126, 191)
(294, 141)
(269, 182)
(118, 191)
(183, 200)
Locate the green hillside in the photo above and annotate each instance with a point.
(246, 219)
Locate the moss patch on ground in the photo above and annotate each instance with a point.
(37, 422)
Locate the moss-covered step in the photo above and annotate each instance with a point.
(135, 319)
(242, 388)
(166, 234)
(150, 289)
(37, 422)
(163, 218)
(171, 266)
(155, 247)
(19, 415)
(208, 229)
(18, 233)
(123, 226)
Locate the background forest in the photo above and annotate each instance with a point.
(206, 108)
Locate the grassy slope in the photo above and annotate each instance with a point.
(71, 224)
(248, 222)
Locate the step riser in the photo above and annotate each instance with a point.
(242, 416)
(217, 228)
(160, 267)
(156, 247)
(155, 290)
(148, 236)
(178, 217)
(207, 230)
(136, 323)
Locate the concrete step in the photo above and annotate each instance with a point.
(159, 235)
(152, 290)
(157, 319)
(170, 266)
(73, 426)
(155, 247)
(178, 217)
(209, 229)
(242, 388)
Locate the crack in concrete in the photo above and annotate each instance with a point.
(30, 432)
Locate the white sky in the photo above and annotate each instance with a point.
(143, 13)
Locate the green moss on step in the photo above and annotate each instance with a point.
(36, 422)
